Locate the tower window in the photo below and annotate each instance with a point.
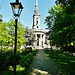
(37, 27)
(36, 22)
(42, 36)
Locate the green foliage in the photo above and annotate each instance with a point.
(7, 32)
(61, 26)
(0, 15)
(29, 36)
(18, 68)
(24, 59)
(64, 2)
(3, 34)
(20, 33)
(64, 62)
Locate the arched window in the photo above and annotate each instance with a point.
(37, 27)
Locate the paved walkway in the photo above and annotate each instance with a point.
(42, 65)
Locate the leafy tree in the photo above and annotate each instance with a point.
(11, 32)
(20, 33)
(3, 34)
(0, 15)
(21, 39)
(61, 25)
(51, 19)
(29, 36)
(63, 2)
(7, 32)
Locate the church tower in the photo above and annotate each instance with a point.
(40, 40)
(36, 17)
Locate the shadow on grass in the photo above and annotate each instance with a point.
(23, 63)
(64, 62)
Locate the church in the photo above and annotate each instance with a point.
(41, 40)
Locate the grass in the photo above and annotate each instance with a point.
(22, 65)
(64, 62)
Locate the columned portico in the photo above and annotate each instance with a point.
(39, 40)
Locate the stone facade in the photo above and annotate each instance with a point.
(41, 40)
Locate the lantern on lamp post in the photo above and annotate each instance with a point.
(17, 9)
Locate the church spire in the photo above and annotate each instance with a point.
(36, 17)
(36, 4)
(36, 8)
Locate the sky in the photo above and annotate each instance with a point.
(26, 17)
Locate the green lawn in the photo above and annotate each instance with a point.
(23, 62)
(64, 62)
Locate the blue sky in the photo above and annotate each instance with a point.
(26, 17)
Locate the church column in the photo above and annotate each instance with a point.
(44, 40)
(36, 41)
(41, 40)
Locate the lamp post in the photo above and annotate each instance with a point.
(17, 9)
(0, 20)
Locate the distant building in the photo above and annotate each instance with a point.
(41, 40)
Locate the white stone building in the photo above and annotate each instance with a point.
(41, 40)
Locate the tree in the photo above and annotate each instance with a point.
(29, 36)
(51, 19)
(7, 32)
(61, 25)
(20, 33)
(21, 38)
(63, 2)
(0, 15)
(3, 34)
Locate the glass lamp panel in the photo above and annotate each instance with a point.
(17, 6)
(20, 10)
(13, 9)
(16, 10)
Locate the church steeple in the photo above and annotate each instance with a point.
(36, 12)
(36, 17)
(36, 5)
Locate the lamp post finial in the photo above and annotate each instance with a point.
(17, 0)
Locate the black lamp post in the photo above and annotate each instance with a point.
(17, 9)
(0, 20)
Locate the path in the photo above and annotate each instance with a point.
(42, 65)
